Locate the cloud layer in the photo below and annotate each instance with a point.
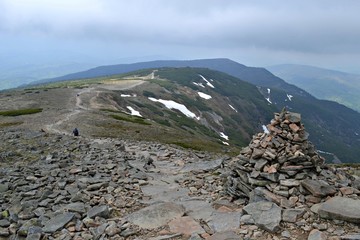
(292, 30)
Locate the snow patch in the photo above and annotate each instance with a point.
(127, 95)
(225, 143)
(199, 84)
(289, 96)
(207, 82)
(133, 112)
(268, 98)
(224, 136)
(233, 108)
(204, 95)
(174, 105)
(265, 129)
(329, 153)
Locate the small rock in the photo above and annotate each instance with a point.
(4, 187)
(289, 183)
(4, 223)
(317, 235)
(317, 188)
(292, 215)
(4, 232)
(101, 211)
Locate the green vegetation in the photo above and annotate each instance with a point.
(164, 122)
(149, 94)
(128, 118)
(110, 110)
(198, 145)
(187, 145)
(185, 76)
(19, 112)
(164, 83)
(200, 105)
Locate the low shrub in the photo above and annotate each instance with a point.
(19, 112)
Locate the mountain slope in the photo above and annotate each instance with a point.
(332, 127)
(325, 84)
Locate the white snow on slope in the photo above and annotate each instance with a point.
(207, 82)
(204, 95)
(223, 136)
(233, 108)
(289, 96)
(174, 105)
(127, 95)
(268, 98)
(225, 143)
(199, 84)
(134, 112)
(265, 129)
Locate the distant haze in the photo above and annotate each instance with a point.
(256, 33)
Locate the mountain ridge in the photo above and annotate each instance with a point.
(332, 127)
(323, 83)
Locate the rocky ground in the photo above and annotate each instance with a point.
(56, 186)
(60, 187)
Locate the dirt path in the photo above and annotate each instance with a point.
(80, 107)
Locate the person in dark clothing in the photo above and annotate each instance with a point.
(76, 132)
(149, 163)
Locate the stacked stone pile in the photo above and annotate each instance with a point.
(283, 166)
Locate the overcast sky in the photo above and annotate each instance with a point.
(255, 33)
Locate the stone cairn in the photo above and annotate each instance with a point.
(279, 164)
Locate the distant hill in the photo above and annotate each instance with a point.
(12, 76)
(323, 83)
(333, 127)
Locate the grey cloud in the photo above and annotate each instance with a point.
(303, 27)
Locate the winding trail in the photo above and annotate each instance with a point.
(54, 127)
(79, 106)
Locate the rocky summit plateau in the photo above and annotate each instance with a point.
(57, 186)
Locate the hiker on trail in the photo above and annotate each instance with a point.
(149, 163)
(76, 132)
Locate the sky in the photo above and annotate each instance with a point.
(323, 33)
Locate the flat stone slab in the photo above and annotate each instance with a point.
(266, 215)
(157, 215)
(228, 235)
(224, 221)
(198, 209)
(351, 237)
(185, 225)
(58, 222)
(169, 193)
(317, 188)
(341, 208)
(203, 166)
